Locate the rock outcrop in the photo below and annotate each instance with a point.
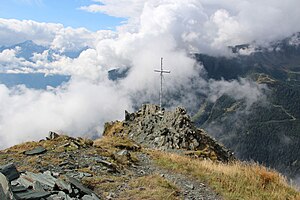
(168, 130)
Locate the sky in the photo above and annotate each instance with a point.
(172, 29)
(66, 12)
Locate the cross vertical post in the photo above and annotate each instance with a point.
(161, 71)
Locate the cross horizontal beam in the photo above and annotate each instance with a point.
(162, 71)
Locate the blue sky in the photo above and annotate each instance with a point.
(66, 12)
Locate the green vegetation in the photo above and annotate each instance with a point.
(268, 131)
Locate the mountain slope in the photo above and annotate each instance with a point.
(116, 167)
(268, 131)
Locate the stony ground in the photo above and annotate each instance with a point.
(112, 168)
(189, 188)
(131, 162)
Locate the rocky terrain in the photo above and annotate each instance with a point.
(168, 130)
(133, 160)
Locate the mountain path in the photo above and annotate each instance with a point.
(189, 189)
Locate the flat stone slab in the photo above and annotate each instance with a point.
(79, 186)
(10, 171)
(19, 188)
(36, 151)
(45, 179)
(32, 195)
(90, 197)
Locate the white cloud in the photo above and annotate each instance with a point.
(117, 8)
(209, 25)
(79, 108)
(241, 89)
(15, 31)
(155, 28)
(57, 36)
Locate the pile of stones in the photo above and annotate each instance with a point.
(16, 185)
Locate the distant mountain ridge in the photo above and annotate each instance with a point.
(28, 48)
(268, 131)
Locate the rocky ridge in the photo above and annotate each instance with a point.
(168, 130)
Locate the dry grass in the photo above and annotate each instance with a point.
(110, 145)
(115, 143)
(20, 148)
(56, 144)
(104, 184)
(50, 159)
(152, 187)
(54, 147)
(86, 170)
(114, 128)
(232, 181)
(203, 154)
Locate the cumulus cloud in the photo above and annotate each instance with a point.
(210, 25)
(155, 28)
(79, 108)
(57, 36)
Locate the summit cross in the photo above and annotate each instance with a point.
(161, 71)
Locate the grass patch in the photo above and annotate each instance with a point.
(152, 187)
(104, 184)
(20, 148)
(110, 145)
(57, 145)
(233, 181)
(114, 128)
(114, 143)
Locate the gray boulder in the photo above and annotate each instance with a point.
(5, 191)
(10, 171)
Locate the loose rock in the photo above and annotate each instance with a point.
(53, 135)
(35, 151)
(5, 192)
(10, 171)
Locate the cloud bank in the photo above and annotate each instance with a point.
(210, 25)
(172, 29)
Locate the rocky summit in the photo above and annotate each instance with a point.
(168, 130)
